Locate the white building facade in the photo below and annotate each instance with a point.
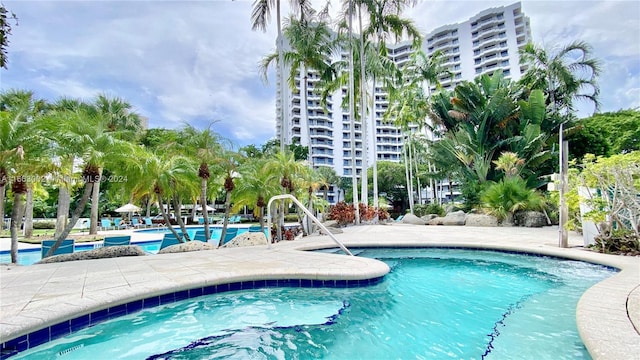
(483, 44)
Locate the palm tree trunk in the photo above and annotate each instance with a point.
(64, 200)
(16, 221)
(305, 118)
(406, 171)
(354, 175)
(95, 204)
(203, 204)
(283, 111)
(419, 187)
(28, 213)
(177, 205)
(167, 221)
(227, 210)
(374, 150)
(261, 214)
(363, 114)
(2, 194)
(88, 190)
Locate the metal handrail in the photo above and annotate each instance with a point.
(309, 214)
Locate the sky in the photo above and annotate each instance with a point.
(196, 62)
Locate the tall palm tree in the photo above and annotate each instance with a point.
(384, 22)
(260, 16)
(311, 47)
(204, 143)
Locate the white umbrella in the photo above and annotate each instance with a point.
(128, 208)
(209, 208)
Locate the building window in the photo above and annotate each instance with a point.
(456, 58)
(478, 70)
(504, 53)
(477, 61)
(505, 62)
(456, 49)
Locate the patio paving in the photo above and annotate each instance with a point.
(34, 297)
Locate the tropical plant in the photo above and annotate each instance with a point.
(311, 47)
(5, 31)
(227, 162)
(254, 188)
(342, 213)
(502, 199)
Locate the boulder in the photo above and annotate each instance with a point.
(187, 247)
(247, 239)
(413, 220)
(331, 224)
(530, 219)
(99, 253)
(333, 230)
(436, 221)
(429, 217)
(480, 220)
(454, 218)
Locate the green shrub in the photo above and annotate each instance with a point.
(426, 209)
(504, 198)
(618, 242)
(44, 224)
(291, 218)
(342, 213)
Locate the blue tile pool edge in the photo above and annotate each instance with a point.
(14, 346)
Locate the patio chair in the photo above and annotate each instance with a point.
(117, 240)
(201, 220)
(67, 247)
(136, 223)
(148, 222)
(231, 233)
(199, 236)
(235, 219)
(105, 224)
(169, 239)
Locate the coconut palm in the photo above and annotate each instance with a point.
(227, 163)
(311, 47)
(254, 187)
(260, 16)
(284, 168)
(87, 135)
(566, 75)
(205, 146)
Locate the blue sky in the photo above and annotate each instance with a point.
(196, 62)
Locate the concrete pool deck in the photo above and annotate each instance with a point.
(34, 297)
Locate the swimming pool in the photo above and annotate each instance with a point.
(435, 303)
(32, 256)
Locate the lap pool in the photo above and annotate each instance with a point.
(435, 303)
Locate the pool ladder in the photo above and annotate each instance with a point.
(308, 213)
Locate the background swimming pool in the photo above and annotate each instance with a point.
(434, 304)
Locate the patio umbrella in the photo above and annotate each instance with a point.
(128, 208)
(209, 208)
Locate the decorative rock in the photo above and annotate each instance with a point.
(530, 219)
(435, 221)
(331, 224)
(413, 220)
(187, 247)
(333, 230)
(247, 239)
(429, 217)
(99, 253)
(454, 218)
(480, 220)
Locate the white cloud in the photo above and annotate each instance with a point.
(197, 61)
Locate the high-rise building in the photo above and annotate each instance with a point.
(483, 44)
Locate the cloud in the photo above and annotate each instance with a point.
(197, 61)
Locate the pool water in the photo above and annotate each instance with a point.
(434, 304)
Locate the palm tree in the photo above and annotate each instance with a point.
(254, 188)
(206, 147)
(260, 16)
(384, 22)
(311, 49)
(117, 119)
(567, 75)
(327, 177)
(90, 140)
(284, 168)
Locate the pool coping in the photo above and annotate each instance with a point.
(68, 290)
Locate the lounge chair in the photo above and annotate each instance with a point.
(399, 218)
(67, 247)
(106, 224)
(235, 219)
(201, 221)
(231, 233)
(136, 223)
(117, 240)
(199, 236)
(148, 222)
(169, 239)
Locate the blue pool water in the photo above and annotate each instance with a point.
(31, 256)
(434, 304)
